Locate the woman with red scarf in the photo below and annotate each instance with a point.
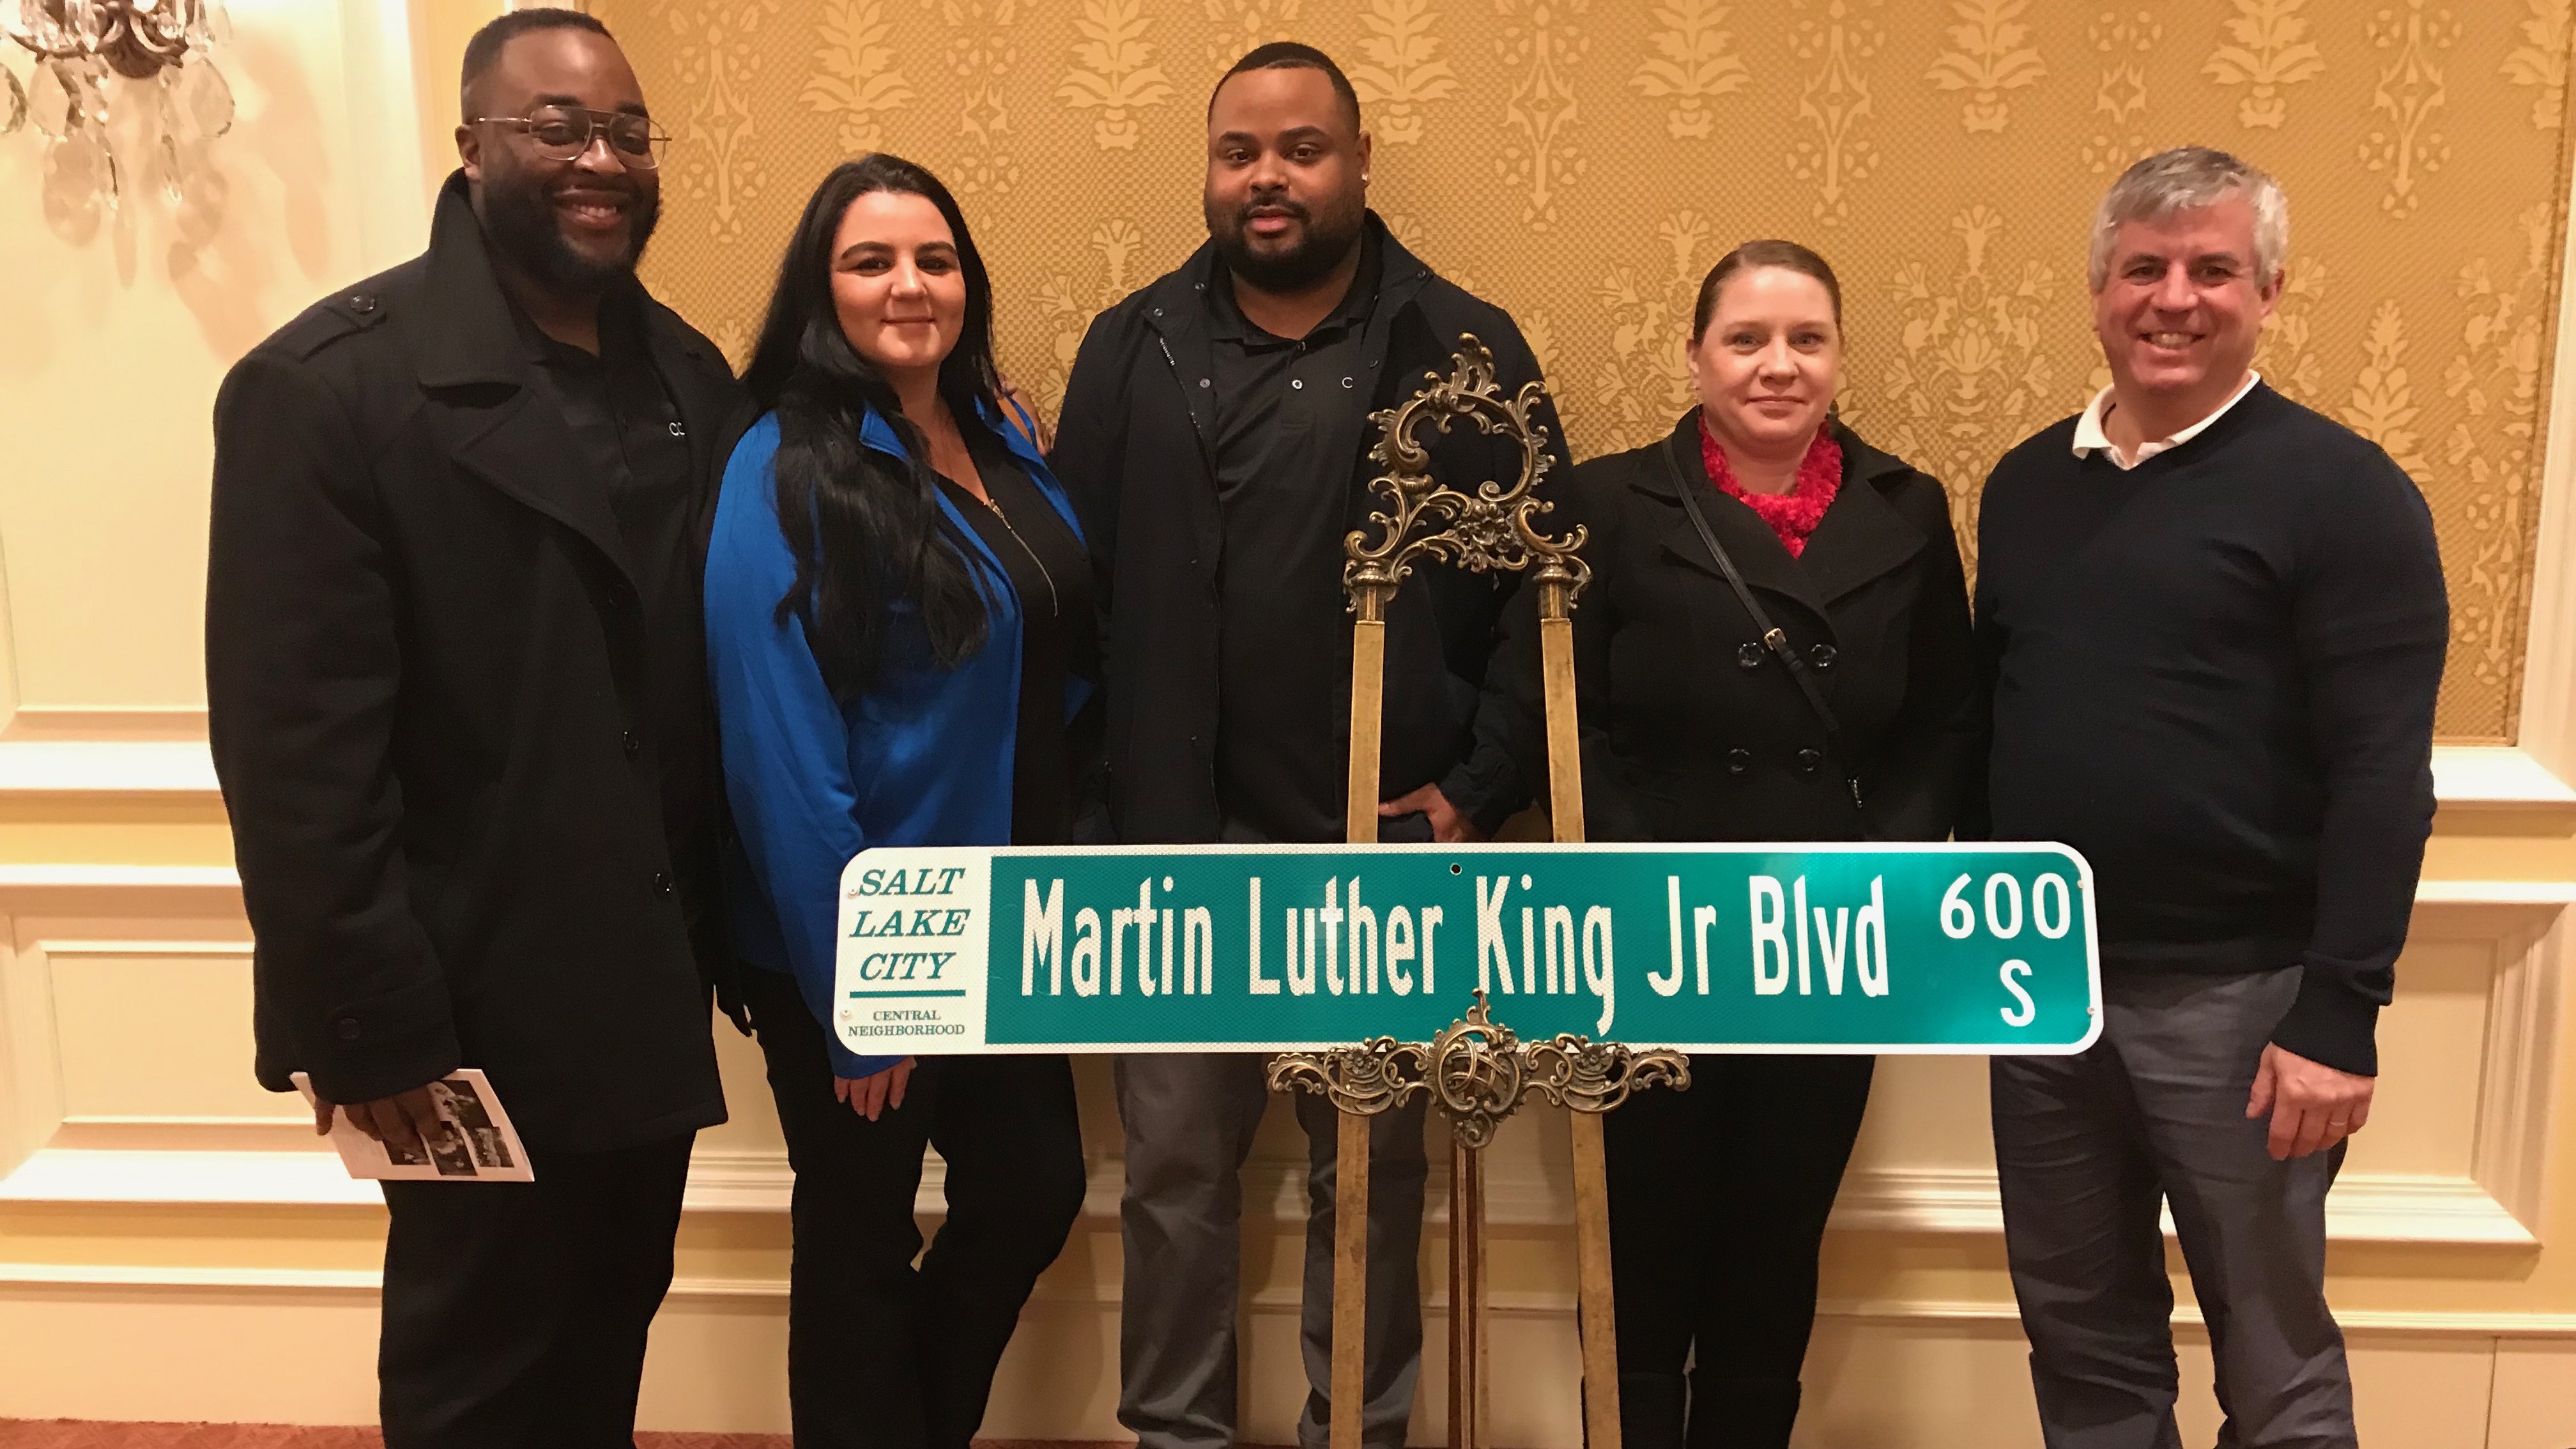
(1824, 693)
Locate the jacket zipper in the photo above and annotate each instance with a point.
(1055, 602)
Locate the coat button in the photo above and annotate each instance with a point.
(661, 883)
(630, 742)
(1738, 761)
(1821, 656)
(1748, 656)
(1810, 761)
(362, 303)
(345, 1028)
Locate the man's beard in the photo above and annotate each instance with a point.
(519, 217)
(1325, 241)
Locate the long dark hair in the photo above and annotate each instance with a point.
(867, 530)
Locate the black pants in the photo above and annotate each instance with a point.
(881, 1354)
(1718, 1199)
(515, 1313)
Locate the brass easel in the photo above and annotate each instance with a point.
(1476, 1071)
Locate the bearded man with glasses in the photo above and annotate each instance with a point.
(457, 697)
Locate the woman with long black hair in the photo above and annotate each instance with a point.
(900, 634)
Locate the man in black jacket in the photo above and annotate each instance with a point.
(457, 698)
(1215, 434)
(2216, 624)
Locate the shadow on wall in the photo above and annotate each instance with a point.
(221, 271)
(221, 214)
(27, 344)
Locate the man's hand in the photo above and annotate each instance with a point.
(1447, 826)
(871, 1096)
(2313, 1105)
(403, 1121)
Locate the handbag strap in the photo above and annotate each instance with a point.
(1773, 637)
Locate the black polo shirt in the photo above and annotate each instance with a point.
(629, 430)
(1291, 415)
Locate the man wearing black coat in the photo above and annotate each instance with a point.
(457, 701)
(1216, 435)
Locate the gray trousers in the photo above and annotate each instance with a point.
(2087, 1145)
(1190, 1119)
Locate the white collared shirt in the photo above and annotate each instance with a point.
(2089, 436)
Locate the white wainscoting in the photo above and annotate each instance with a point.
(2466, 1143)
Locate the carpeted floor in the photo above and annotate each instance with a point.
(93, 1434)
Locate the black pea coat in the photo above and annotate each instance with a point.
(430, 679)
(1691, 730)
(1134, 448)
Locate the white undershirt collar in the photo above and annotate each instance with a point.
(2090, 438)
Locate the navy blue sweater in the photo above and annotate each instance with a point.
(2214, 675)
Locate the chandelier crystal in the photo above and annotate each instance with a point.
(114, 79)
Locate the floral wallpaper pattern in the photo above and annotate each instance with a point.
(1582, 162)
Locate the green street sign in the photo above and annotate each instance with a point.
(1711, 948)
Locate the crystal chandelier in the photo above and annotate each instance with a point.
(111, 74)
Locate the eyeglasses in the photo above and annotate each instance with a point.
(564, 133)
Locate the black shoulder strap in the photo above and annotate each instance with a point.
(1773, 638)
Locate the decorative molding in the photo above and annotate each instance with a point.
(26, 889)
(2387, 1208)
(198, 908)
(163, 752)
(2526, 1002)
(187, 1178)
(2545, 720)
(274, 1161)
(103, 1280)
(108, 724)
(107, 767)
(2498, 777)
(2374, 1208)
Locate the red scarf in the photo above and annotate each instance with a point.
(1792, 515)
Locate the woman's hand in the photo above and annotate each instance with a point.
(870, 1096)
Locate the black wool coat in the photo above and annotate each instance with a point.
(1691, 730)
(430, 682)
(1135, 449)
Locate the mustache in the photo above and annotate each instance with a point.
(1297, 209)
(621, 187)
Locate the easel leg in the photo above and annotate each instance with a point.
(1350, 1280)
(1592, 1263)
(1467, 1394)
(1461, 1378)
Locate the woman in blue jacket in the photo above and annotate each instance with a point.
(900, 632)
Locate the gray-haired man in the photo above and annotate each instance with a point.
(2215, 622)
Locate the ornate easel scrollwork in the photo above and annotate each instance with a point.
(1489, 527)
(1595, 1076)
(1373, 1077)
(1478, 1072)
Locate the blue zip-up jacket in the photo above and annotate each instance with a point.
(923, 759)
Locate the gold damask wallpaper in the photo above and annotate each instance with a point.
(1582, 162)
